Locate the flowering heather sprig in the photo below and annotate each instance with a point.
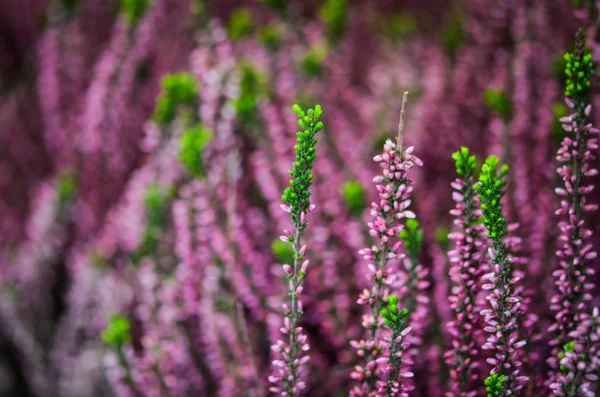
(504, 301)
(395, 190)
(394, 364)
(286, 369)
(571, 304)
(467, 267)
(579, 362)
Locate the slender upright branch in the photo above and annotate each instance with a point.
(287, 368)
(400, 138)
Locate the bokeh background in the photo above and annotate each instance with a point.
(144, 146)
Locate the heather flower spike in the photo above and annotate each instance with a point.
(572, 302)
(394, 363)
(504, 302)
(389, 216)
(467, 265)
(287, 374)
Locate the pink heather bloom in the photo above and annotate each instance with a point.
(579, 364)
(468, 263)
(394, 188)
(571, 304)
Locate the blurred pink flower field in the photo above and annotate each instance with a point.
(186, 189)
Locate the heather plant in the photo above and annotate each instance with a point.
(468, 264)
(390, 215)
(572, 302)
(287, 369)
(504, 301)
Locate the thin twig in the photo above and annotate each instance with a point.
(401, 124)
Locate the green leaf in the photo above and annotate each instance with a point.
(283, 252)
(133, 10)
(192, 143)
(333, 16)
(271, 36)
(117, 332)
(67, 186)
(252, 87)
(177, 89)
(312, 63)
(240, 24)
(498, 102)
(354, 196)
(453, 35)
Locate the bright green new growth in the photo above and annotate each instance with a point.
(117, 332)
(494, 384)
(490, 192)
(312, 63)
(454, 34)
(271, 36)
(441, 237)
(240, 24)
(567, 348)
(155, 203)
(498, 102)
(251, 88)
(392, 316)
(413, 238)
(354, 196)
(333, 16)
(67, 187)
(579, 69)
(298, 194)
(134, 10)
(177, 89)
(466, 165)
(193, 143)
(283, 252)
(396, 320)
